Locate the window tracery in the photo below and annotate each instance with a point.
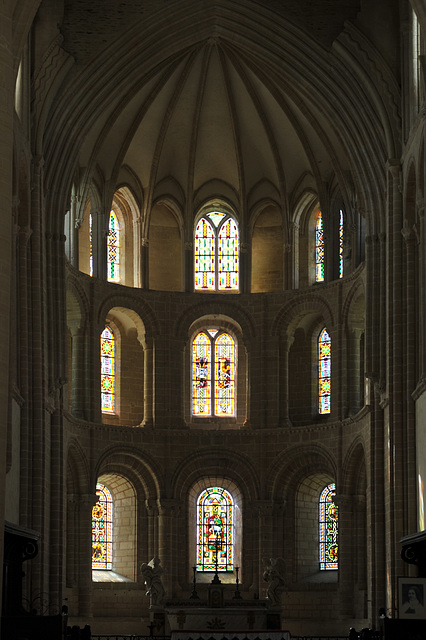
(213, 374)
(216, 253)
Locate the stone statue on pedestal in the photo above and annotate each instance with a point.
(151, 573)
(274, 574)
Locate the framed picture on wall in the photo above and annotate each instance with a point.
(412, 598)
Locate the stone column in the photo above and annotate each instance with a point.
(188, 284)
(137, 253)
(294, 272)
(79, 382)
(6, 181)
(84, 553)
(100, 229)
(347, 555)
(410, 351)
(144, 263)
(168, 510)
(245, 267)
(148, 392)
(266, 548)
(283, 391)
(93, 365)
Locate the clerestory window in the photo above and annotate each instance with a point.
(324, 372)
(216, 253)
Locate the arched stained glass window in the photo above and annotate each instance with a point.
(90, 244)
(216, 257)
(113, 249)
(215, 530)
(328, 529)
(102, 529)
(324, 372)
(341, 245)
(201, 375)
(205, 259)
(107, 371)
(319, 249)
(213, 374)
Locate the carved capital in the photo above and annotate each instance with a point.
(168, 507)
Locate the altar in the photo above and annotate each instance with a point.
(243, 616)
(238, 635)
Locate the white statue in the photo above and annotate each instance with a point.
(274, 574)
(151, 573)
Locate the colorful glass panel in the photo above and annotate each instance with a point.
(324, 372)
(224, 375)
(228, 256)
(215, 530)
(341, 245)
(102, 529)
(216, 217)
(201, 375)
(319, 249)
(113, 249)
(107, 371)
(328, 529)
(91, 245)
(204, 259)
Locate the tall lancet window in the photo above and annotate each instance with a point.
(324, 372)
(90, 244)
(102, 529)
(113, 249)
(216, 254)
(107, 371)
(213, 374)
(328, 529)
(341, 244)
(319, 249)
(215, 530)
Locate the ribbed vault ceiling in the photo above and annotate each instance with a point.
(208, 100)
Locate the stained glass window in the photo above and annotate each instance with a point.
(213, 374)
(228, 255)
(102, 529)
(216, 258)
(324, 372)
(328, 529)
(224, 375)
(215, 530)
(113, 249)
(319, 249)
(107, 371)
(341, 245)
(90, 244)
